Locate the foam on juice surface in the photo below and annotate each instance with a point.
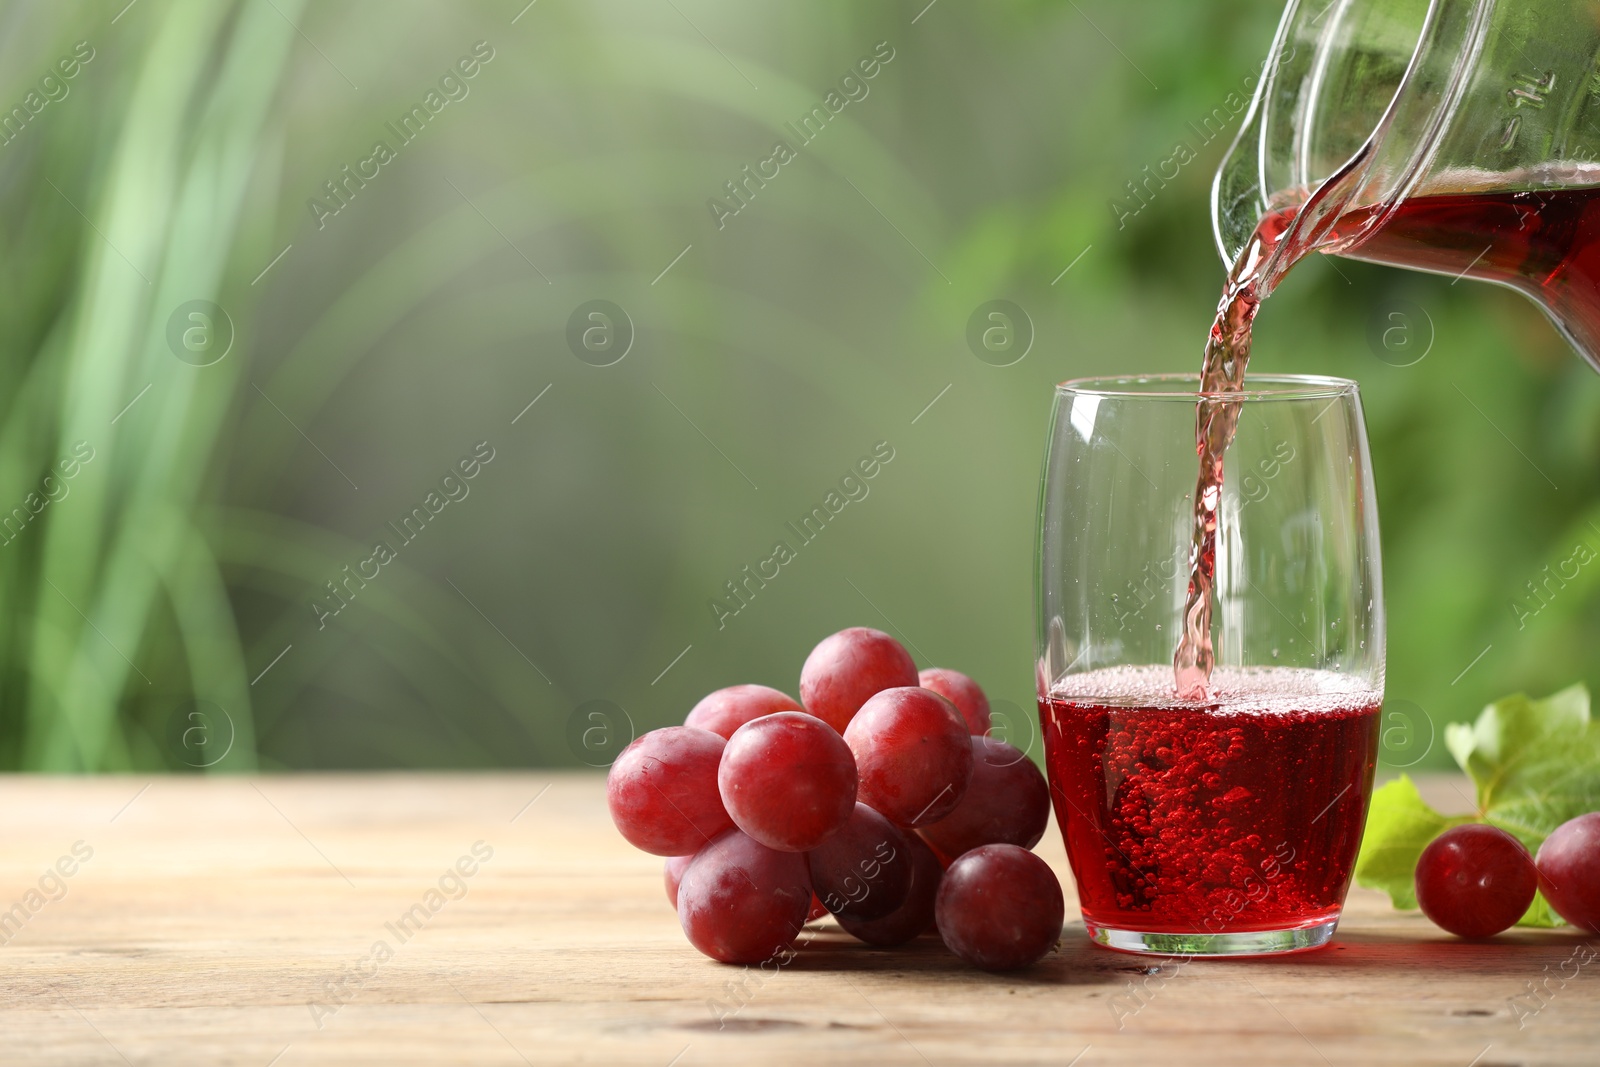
(1241, 690)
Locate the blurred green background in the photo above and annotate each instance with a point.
(265, 384)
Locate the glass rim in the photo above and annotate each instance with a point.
(1257, 387)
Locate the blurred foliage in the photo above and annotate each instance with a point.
(178, 574)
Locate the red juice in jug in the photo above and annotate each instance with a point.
(1545, 242)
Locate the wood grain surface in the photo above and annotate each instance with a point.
(439, 919)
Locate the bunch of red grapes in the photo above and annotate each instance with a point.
(881, 800)
(1477, 880)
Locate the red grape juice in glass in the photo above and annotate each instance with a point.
(1239, 813)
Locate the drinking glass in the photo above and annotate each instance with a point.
(1229, 825)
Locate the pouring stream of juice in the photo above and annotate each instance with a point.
(1216, 419)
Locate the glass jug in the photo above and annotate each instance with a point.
(1453, 136)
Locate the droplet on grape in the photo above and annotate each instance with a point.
(1000, 908)
(741, 902)
(726, 710)
(1007, 803)
(961, 691)
(849, 667)
(913, 755)
(863, 871)
(1475, 880)
(788, 780)
(662, 791)
(1569, 871)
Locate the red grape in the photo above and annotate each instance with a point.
(726, 710)
(864, 870)
(961, 691)
(1475, 880)
(663, 791)
(1000, 907)
(915, 916)
(849, 667)
(1569, 871)
(788, 780)
(741, 902)
(672, 874)
(1007, 803)
(913, 755)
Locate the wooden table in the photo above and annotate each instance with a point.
(235, 921)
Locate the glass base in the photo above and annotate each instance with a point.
(1242, 943)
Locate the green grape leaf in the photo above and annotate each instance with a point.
(1534, 764)
(1399, 826)
(1540, 913)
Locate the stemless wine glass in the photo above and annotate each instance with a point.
(1225, 826)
